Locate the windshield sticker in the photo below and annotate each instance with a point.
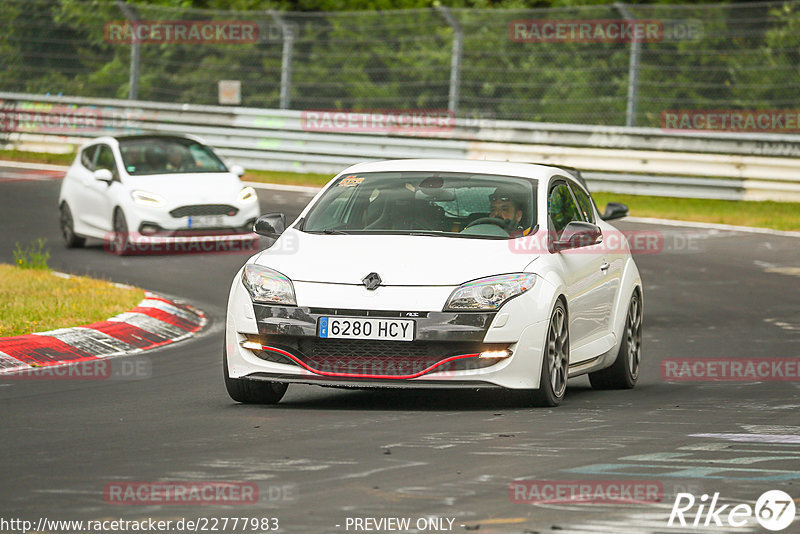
(131, 168)
(351, 181)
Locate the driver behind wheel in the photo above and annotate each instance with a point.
(505, 205)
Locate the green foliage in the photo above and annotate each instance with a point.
(33, 256)
(358, 56)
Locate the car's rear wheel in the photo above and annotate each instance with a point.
(555, 363)
(68, 228)
(624, 372)
(252, 391)
(120, 242)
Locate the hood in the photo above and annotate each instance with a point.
(398, 259)
(183, 189)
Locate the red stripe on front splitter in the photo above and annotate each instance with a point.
(42, 350)
(359, 375)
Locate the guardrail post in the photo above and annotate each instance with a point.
(133, 79)
(286, 57)
(633, 71)
(455, 58)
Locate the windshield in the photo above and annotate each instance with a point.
(447, 204)
(167, 155)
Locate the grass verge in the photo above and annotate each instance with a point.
(763, 214)
(37, 300)
(37, 157)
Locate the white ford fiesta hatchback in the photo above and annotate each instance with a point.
(153, 189)
(438, 273)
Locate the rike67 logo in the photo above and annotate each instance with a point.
(774, 510)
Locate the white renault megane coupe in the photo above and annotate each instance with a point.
(153, 189)
(438, 273)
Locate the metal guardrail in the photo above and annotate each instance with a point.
(618, 159)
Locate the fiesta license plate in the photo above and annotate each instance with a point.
(204, 221)
(357, 328)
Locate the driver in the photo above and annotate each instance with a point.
(504, 205)
(175, 158)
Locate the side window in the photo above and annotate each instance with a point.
(87, 157)
(105, 160)
(584, 204)
(561, 208)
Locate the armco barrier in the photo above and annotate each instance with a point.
(733, 166)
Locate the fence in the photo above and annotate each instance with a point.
(579, 65)
(618, 159)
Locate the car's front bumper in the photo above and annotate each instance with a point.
(281, 343)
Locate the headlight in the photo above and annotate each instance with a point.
(489, 293)
(268, 286)
(147, 199)
(247, 194)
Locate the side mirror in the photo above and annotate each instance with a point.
(614, 210)
(270, 225)
(578, 234)
(238, 170)
(104, 175)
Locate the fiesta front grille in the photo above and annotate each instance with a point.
(204, 209)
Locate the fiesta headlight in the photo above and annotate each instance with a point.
(147, 199)
(268, 286)
(247, 194)
(489, 293)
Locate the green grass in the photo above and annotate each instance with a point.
(764, 214)
(37, 300)
(293, 178)
(37, 157)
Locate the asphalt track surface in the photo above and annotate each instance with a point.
(325, 455)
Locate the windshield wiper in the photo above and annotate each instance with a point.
(327, 231)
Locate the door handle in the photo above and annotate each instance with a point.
(605, 265)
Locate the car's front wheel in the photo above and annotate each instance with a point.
(252, 391)
(555, 363)
(624, 372)
(68, 228)
(120, 242)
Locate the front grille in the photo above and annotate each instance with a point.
(204, 209)
(377, 358)
(347, 348)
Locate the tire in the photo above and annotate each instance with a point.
(68, 228)
(120, 244)
(252, 391)
(555, 361)
(624, 372)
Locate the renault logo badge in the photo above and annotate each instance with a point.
(372, 281)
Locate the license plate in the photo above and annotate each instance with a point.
(204, 221)
(356, 328)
